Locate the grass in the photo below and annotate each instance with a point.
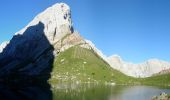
(159, 80)
(78, 64)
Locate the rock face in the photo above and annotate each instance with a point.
(145, 69)
(3, 45)
(31, 50)
(57, 22)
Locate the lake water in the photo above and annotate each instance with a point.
(105, 92)
(80, 92)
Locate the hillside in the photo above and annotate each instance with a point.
(79, 64)
(82, 65)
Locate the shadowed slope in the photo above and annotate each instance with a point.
(25, 65)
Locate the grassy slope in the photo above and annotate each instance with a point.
(82, 65)
(159, 80)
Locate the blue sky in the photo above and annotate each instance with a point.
(137, 30)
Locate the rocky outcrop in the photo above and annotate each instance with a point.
(68, 41)
(162, 96)
(145, 69)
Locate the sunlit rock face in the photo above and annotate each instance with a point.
(3, 45)
(146, 69)
(57, 22)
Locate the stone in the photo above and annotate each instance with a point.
(162, 96)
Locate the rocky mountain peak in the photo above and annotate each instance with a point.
(57, 22)
(31, 50)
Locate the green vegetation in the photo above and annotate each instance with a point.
(159, 80)
(78, 64)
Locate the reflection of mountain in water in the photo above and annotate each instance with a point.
(105, 92)
(23, 75)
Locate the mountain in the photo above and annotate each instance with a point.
(48, 44)
(50, 49)
(33, 46)
(146, 69)
(31, 59)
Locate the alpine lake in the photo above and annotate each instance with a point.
(90, 91)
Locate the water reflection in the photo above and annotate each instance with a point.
(104, 92)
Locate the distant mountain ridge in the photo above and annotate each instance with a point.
(146, 69)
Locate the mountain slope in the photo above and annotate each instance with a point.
(81, 65)
(78, 64)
